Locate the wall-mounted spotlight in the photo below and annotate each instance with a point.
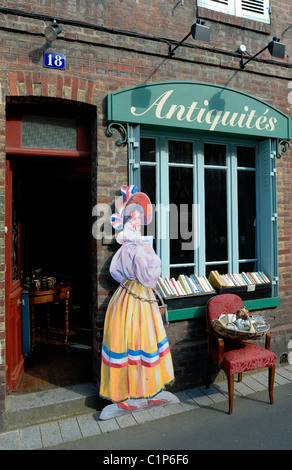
(275, 47)
(52, 31)
(198, 31)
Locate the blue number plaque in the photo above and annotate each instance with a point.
(54, 60)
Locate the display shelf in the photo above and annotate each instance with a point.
(199, 311)
(255, 291)
(188, 301)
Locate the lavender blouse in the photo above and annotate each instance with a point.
(135, 260)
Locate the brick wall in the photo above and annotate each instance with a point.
(129, 46)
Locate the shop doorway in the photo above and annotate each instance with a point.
(52, 214)
(48, 233)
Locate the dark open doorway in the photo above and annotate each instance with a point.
(55, 242)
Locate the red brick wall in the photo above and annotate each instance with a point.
(103, 59)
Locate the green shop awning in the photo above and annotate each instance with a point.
(198, 106)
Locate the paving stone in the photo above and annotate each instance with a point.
(51, 435)
(187, 403)
(70, 430)
(285, 373)
(142, 416)
(262, 379)
(280, 380)
(199, 397)
(214, 394)
(203, 400)
(222, 387)
(108, 425)
(126, 420)
(242, 388)
(31, 438)
(10, 441)
(175, 408)
(252, 383)
(88, 425)
(158, 412)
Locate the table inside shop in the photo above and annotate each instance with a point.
(49, 297)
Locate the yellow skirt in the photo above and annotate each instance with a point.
(136, 360)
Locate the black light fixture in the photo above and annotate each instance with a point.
(198, 31)
(52, 31)
(275, 47)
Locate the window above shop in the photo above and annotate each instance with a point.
(47, 131)
(258, 10)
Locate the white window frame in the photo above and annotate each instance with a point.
(249, 9)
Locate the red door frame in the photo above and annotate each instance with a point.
(13, 288)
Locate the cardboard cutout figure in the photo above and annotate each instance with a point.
(136, 360)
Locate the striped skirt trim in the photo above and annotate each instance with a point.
(112, 359)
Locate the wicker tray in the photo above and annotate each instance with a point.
(236, 333)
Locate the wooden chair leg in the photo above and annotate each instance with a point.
(271, 383)
(230, 392)
(208, 376)
(240, 377)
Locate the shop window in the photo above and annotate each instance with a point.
(215, 203)
(258, 10)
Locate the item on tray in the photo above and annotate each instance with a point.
(239, 325)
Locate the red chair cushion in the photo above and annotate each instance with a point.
(242, 356)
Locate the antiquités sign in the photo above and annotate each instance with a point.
(200, 107)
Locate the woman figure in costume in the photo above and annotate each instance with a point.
(136, 360)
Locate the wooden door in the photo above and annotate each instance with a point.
(13, 286)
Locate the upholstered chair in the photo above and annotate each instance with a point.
(232, 355)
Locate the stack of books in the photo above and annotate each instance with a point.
(184, 285)
(237, 280)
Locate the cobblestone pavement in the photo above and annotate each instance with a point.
(52, 433)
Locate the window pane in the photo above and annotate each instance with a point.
(247, 267)
(186, 270)
(180, 152)
(216, 215)
(221, 268)
(147, 150)
(48, 132)
(148, 185)
(246, 157)
(148, 182)
(181, 205)
(246, 214)
(215, 154)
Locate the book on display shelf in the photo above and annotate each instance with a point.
(184, 286)
(244, 279)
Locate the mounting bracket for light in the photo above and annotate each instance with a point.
(198, 31)
(276, 49)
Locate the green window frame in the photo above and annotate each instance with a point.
(158, 167)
